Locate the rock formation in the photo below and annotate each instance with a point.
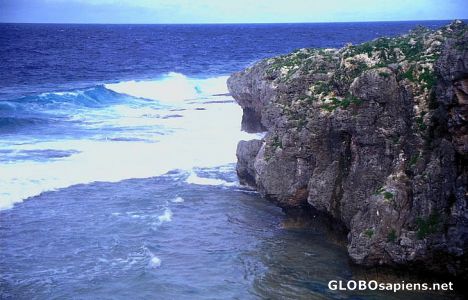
(375, 136)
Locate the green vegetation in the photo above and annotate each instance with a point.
(341, 103)
(420, 121)
(388, 49)
(276, 142)
(369, 232)
(359, 68)
(384, 74)
(428, 78)
(414, 159)
(290, 61)
(300, 55)
(379, 191)
(286, 61)
(411, 50)
(391, 236)
(409, 74)
(388, 195)
(322, 87)
(427, 226)
(365, 48)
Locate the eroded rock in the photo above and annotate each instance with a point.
(374, 135)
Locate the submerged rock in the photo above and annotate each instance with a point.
(374, 135)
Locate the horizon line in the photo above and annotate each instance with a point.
(232, 23)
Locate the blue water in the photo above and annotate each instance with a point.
(49, 57)
(117, 155)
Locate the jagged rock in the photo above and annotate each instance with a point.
(246, 153)
(374, 135)
(244, 85)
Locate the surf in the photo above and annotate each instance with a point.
(118, 131)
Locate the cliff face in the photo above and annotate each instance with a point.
(374, 135)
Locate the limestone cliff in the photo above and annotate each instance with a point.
(374, 135)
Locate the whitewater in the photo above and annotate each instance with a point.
(117, 131)
(117, 167)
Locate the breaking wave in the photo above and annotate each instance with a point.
(116, 131)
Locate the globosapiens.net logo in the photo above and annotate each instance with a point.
(373, 285)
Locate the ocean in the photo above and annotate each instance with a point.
(117, 166)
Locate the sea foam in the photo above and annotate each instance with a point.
(198, 138)
(178, 200)
(166, 216)
(172, 87)
(193, 178)
(155, 262)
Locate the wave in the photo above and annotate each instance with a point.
(117, 131)
(94, 97)
(193, 178)
(172, 88)
(178, 199)
(47, 110)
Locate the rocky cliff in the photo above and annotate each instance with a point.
(373, 135)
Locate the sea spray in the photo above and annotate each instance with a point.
(114, 134)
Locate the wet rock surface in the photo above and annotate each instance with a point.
(373, 135)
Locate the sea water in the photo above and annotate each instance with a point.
(117, 167)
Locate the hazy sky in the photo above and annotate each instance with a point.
(228, 11)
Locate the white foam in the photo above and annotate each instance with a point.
(201, 138)
(155, 262)
(195, 179)
(172, 87)
(178, 200)
(135, 257)
(166, 216)
(70, 93)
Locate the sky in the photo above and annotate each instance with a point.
(228, 11)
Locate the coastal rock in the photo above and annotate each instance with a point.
(375, 136)
(245, 84)
(246, 153)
